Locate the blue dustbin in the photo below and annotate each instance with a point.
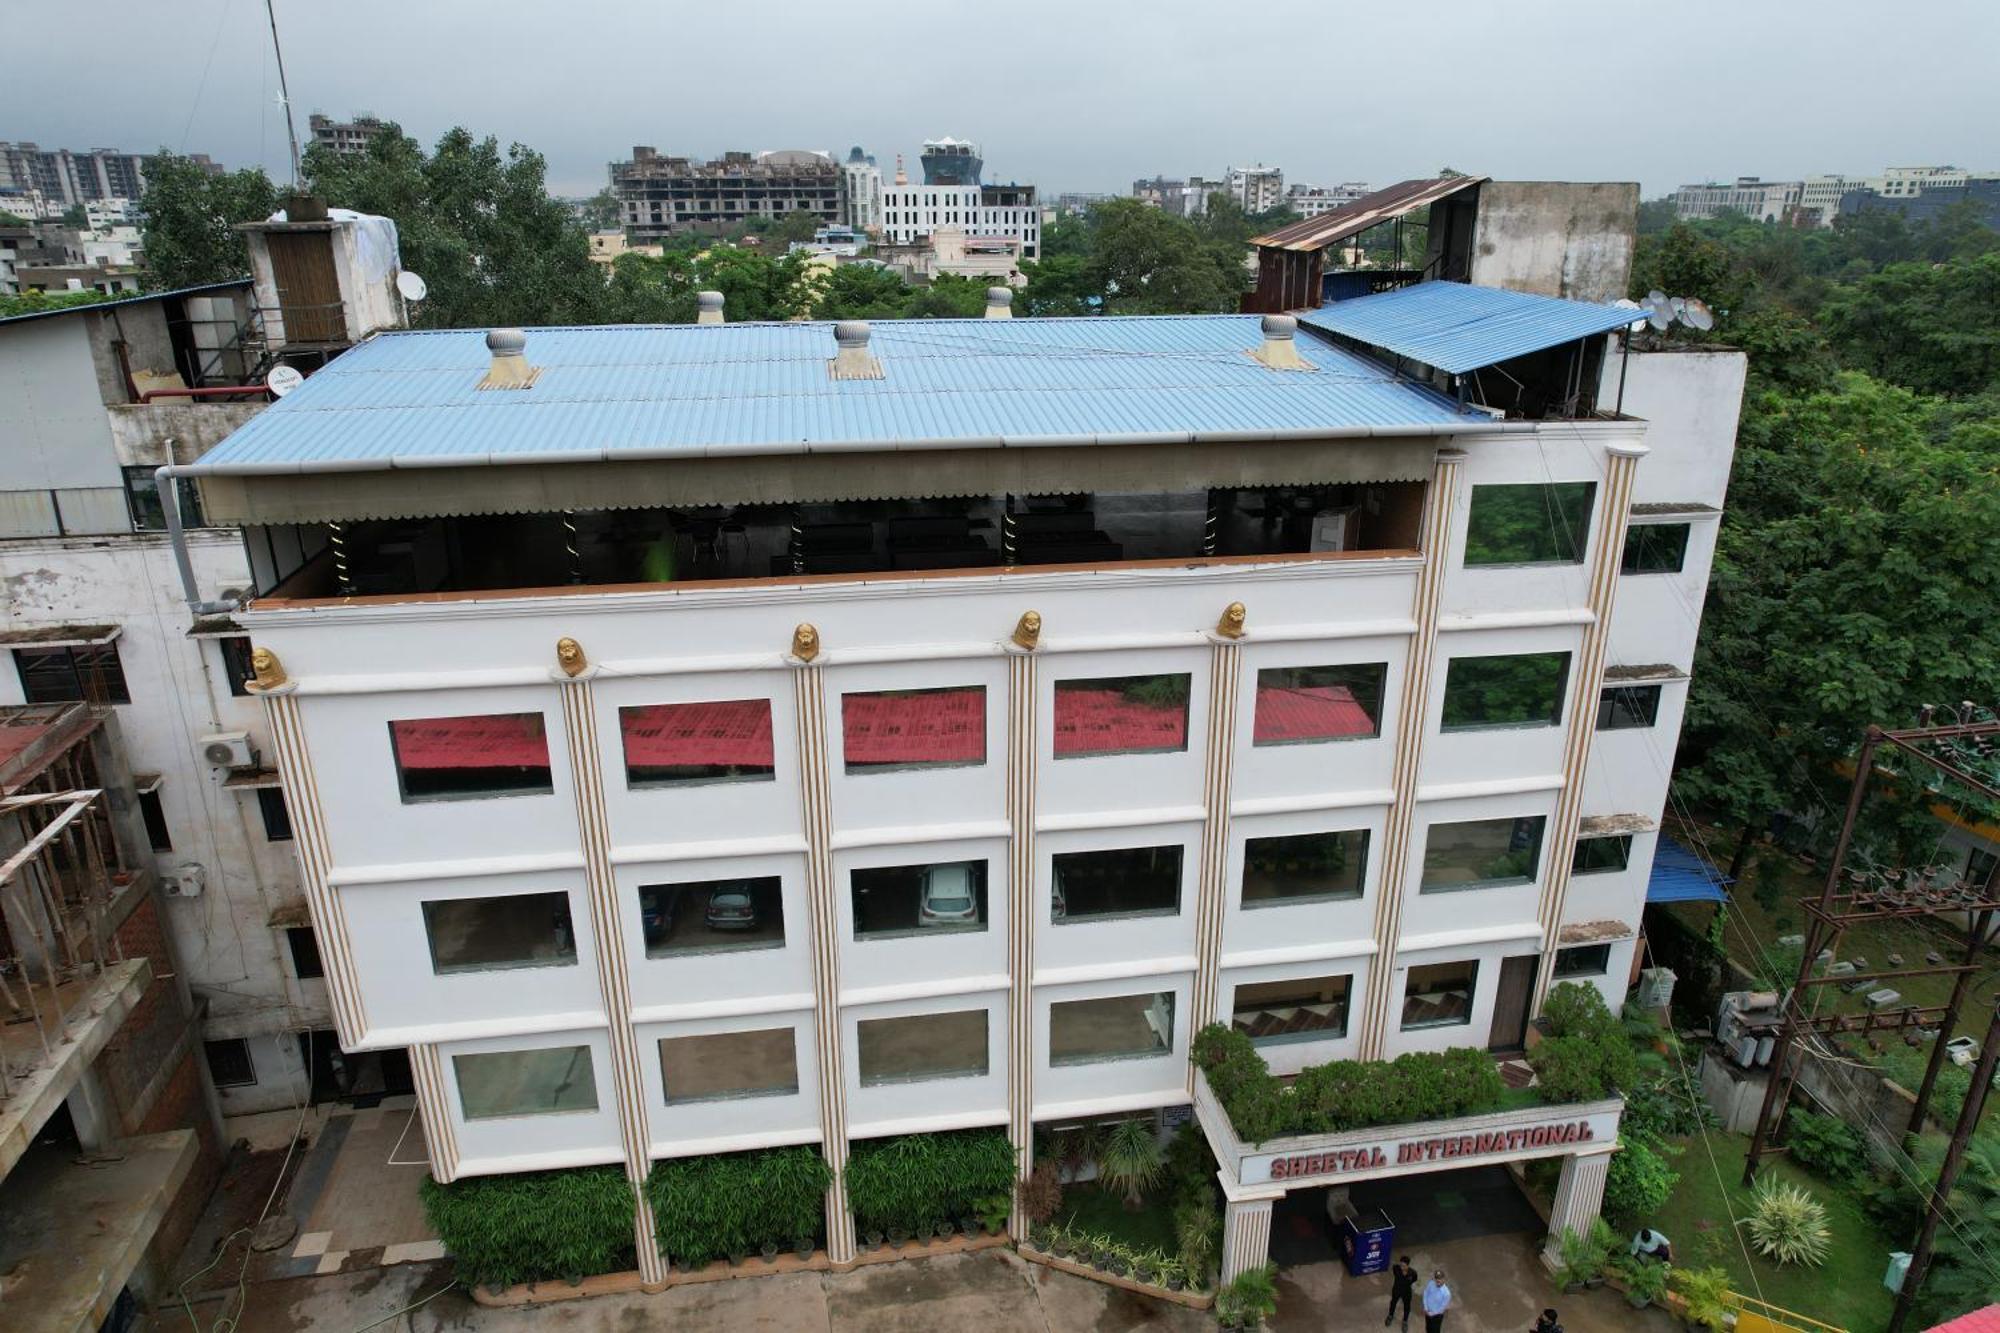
(1366, 1242)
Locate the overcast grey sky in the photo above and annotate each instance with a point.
(1068, 94)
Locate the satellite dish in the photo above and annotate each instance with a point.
(1697, 315)
(1626, 303)
(282, 380)
(1659, 312)
(413, 287)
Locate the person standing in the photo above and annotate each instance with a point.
(1402, 1288)
(1437, 1299)
(1548, 1323)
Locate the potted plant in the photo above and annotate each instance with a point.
(898, 1237)
(969, 1225)
(945, 1226)
(994, 1210)
(1142, 1268)
(1249, 1300)
(874, 1236)
(737, 1254)
(803, 1246)
(769, 1249)
(1583, 1254)
(1645, 1282)
(1704, 1292)
(1170, 1274)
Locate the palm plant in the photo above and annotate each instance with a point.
(1131, 1160)
(1788, 1224)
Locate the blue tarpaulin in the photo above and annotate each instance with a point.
(1682, 876)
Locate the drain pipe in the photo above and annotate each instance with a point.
(165, 485)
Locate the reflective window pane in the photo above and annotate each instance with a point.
(719, 1065)
(1482, 853)
(1304, 867)
(1534, 524)
(1305, 1009)
(486, 934)
(930, 899)
(1117, 1027)
(1513, 690)
(1655, 548)
(721, 740)
(455, 758)
(537, 1082)
(1596, 854)
(1439, 996)
(921, 1046)
(709, 915)
(1330, 703)
(1622, 707)
(1125, 881)
(1121, 715)
(1586, 960)
(903, 729)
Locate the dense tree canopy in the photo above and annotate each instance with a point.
(188, 217)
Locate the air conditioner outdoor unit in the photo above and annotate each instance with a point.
(228, 749)
(1656, 987)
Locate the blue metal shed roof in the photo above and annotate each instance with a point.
(1457, 327)
(1681, 876)
(649, 391)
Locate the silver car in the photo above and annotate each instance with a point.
(947, 897)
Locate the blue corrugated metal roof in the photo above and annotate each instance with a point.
(1457, 327)
(1681, 876)
(669, 390)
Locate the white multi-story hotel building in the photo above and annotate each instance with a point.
(707, 738)
(911, 213)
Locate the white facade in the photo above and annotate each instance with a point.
(913, 212)
(860, 192)
(594, 838)
(1257, 188)
(1765, 201)
(1310, 201)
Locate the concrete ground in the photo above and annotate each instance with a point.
(1500, 1283)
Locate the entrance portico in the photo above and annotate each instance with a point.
(1255, 1176)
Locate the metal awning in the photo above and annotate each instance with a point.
(1458, 327)
(1370, 210)
(1680, 876)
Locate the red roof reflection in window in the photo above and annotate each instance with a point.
(1092, 720)
(493, 740)
(1308, 713)
(903, 727)
(721, 733)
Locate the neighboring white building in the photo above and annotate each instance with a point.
(1309, 201)
(1765, 201)
(860, 191)
(910, 213)
(980, 825)
(1256, 189)
(835, 242)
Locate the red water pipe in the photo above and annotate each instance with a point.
(213, 391)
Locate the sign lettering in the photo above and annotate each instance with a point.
(1412, 1152)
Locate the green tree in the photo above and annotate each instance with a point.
(478, 224)
(187, 220)
(796, 227)
(1147, 263)
(34, 301)
(1058, 285)
(863, 291)
(603, 211)
(1656, 215)
(75, 216)
(949, 297)
(1928, 326)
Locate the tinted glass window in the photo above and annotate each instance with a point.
(702, 916)
(1125, 881)
(1537, 524)
(717, 1065)
(276, 814)
(1304, 866)
(84, 673)
(157, 836)
(485, 934)
(1306, 1009)
(451, 758)
(725, 740)
(304, 945)
(1331, 703)
(901, 729)
(538, 1082)
(1587, 960)
(1482, 853)
(1655, 548)
(1515, 690)
(1439, 996)
(921, 1046)
(1626, 706)
(1117, 1027)
(1121, 715)
(1594, 854)
(229, 1062)
(236, 666)
(929, 899)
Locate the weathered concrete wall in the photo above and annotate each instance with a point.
(52, 429)
(1572, 239)
(143, 434)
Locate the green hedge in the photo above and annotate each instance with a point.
(914, 1182)
(1343, 1094)
(707, 1208)
(1587, 1056)
(534, 1226)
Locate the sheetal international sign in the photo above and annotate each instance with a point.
(1431, 1147)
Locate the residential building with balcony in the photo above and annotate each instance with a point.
(715, 737)
(662, 196)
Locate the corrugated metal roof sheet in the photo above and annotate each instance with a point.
(645, 391)
(1336, 225)
(1985, 1320)
(1680, 876)
(135, 299)
(1458, 327)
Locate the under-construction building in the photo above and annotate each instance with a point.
(661, 196)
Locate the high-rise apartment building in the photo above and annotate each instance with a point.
(1256, 189)
(665, 195)
(344, 136)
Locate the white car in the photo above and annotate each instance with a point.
(1964, 1051)
(947, 897)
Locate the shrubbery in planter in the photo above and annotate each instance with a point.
(534, 1226)
(1827, 1146)
(1638, 1182)
(912, 1183)
(1587, 1055)
(735, 1203)
(1249, 1300)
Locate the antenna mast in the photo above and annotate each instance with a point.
(284, 93)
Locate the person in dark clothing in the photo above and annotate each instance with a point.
(1548, 1323)
(1402, 1287)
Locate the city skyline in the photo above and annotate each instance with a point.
(1757, 104)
